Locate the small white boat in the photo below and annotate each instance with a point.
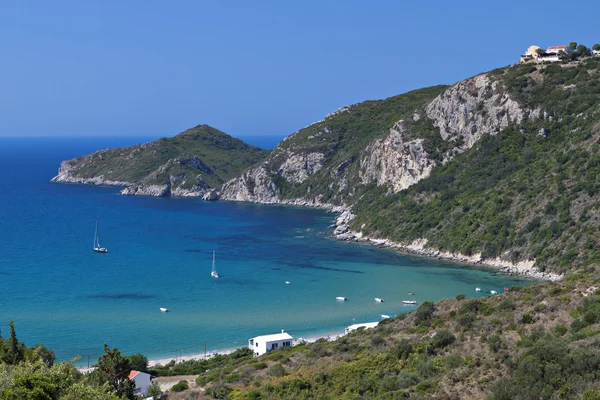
(411, 293)
(341, 298)
(97, 247)
(493, 292)
(377, 299)
(214, 272)
(385, 316)
(409, 301)
(478, 289)
(164, 309)
(287, 282)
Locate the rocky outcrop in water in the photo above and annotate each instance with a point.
(65, 176)
(189, 164)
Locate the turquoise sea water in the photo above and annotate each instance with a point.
(62, 294)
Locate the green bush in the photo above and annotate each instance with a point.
(577, 325)
(180, 386)
(259, 365)
(406, 380)
(232, 378)
(277, 370)
(404, 349)
(507, 305)
(460, 297)
(424, 313)
(442, 338)
(527, 318)
(560, 330)
(466, 320)
(377, 340)
(470, 306)
(425, 387)
(494, 342)
(201, 380)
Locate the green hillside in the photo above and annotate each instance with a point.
(201, 150)
(343, 137)
(529, 192)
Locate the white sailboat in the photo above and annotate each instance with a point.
(97, 247)
(214, 272)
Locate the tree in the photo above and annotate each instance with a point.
(424, 313)
(540, 51)
(596, 47)
(114, 369)
(154, 391)
(12, 352)
(583, 50)
(138, 362)
(572, 46)
(40, 352)
(34, 380)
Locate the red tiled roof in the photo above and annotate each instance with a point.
(132, 374)
(556, 48)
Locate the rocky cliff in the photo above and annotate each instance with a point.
(501, 166)
(325, 159)
(453, 167)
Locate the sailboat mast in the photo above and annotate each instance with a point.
(96, 234)
(213, 265)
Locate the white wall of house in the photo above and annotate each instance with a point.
(551, 58)
(262, 344)
(142, 381)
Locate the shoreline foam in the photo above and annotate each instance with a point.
(342, 231)
(418, 247)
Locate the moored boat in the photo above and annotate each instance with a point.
(409, 301)
(163, 309)
(214, 272)
(97, 248)
(341, 298)
(377, 299)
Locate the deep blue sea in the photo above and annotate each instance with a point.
(62, 294)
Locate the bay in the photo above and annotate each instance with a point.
(62, 294)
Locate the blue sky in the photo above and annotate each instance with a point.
(155, 68)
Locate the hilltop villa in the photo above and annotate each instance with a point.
(552, 54)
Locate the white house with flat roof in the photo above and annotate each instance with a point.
(142, 381)
(261, 344)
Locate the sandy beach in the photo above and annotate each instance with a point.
(188, 357)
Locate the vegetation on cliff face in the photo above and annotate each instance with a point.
(520, 185)
(198, 157)
(342, 138)
(530, 192)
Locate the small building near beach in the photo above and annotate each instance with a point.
(142, 381)
(366, 325)
(261, 344)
